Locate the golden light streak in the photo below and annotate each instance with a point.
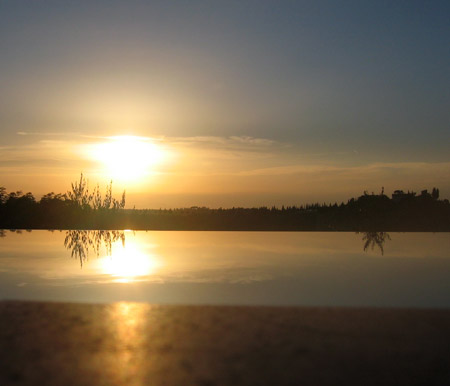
(129, 263)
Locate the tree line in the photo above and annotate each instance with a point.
(81, 208)
(78, 207)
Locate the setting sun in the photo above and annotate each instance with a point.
(127, 157)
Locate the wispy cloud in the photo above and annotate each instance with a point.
(55, 134)
(222, 165)
(402, 167)
(44, 154)
(223, 142)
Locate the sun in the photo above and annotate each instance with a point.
(128, 157)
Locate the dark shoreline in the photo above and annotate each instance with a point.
(217, 230)
(404, 212)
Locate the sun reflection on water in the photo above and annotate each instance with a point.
(122, 260)
(127, 321)
(129, 263)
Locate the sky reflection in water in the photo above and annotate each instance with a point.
(270, 268)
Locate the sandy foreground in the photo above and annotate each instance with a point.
(142, 344)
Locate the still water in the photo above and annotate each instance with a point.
(251, 268)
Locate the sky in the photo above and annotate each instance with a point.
(230, 103)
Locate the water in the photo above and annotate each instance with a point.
(248, 268)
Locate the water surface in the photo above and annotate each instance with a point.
(251, 268)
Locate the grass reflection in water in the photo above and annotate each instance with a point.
(81, 242)
(125, 263)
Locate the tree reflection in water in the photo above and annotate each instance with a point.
(375, 238)
(82, 242)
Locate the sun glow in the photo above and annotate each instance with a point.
(128, 157)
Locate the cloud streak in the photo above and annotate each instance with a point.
(401, 167)
(215, 165)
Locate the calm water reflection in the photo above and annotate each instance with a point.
(81, 243)
(271, 268)
(372, 239)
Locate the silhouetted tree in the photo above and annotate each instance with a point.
(3, 195)
(82, 209)
(435, 193)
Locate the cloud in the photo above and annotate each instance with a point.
(217, 141)
(50, 134)
(43, 155)
(203, 150)
(402, 167)
(245, 157)
(252, 140)
(223, 165)
(231, 141)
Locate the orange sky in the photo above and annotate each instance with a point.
(206, 171)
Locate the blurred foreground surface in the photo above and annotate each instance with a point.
(138, 344)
